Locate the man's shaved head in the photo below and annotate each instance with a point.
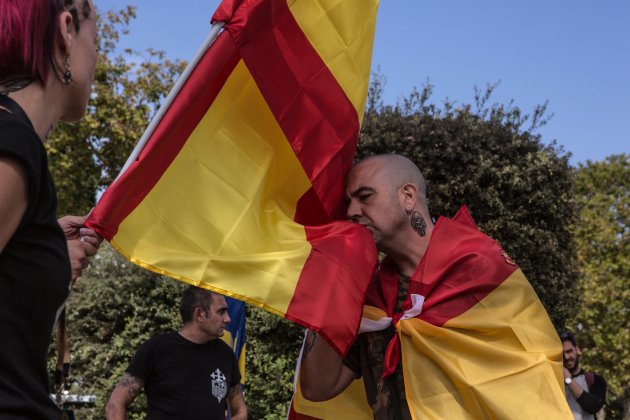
(397, 170)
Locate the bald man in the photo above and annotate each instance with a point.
(387, 195)
(468, 350)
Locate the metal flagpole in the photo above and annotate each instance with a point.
(214, 32)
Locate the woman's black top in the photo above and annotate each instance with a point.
(34, 277)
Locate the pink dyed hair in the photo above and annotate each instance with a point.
(27, 31)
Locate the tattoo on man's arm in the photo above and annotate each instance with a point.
(235, 390)
(310, 343)
(132, 383)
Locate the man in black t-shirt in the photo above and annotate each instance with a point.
(187, 374)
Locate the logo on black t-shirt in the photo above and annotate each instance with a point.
(219, 385)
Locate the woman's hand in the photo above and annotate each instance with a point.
(82, 243)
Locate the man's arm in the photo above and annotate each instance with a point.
(322, 373)
(593, 400)
(236, 403)
(126, 391)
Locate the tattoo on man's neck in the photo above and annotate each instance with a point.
(417, 223)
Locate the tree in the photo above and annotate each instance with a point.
(601, 317)
(273, 345)
(519, 191)
(85, 157)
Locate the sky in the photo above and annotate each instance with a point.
(575, 54)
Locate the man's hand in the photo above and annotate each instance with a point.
(574, 387)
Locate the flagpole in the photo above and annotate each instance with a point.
(214, 32)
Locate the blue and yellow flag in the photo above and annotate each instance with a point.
(235, 335)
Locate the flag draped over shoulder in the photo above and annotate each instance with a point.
(238, 187)
(482, 345)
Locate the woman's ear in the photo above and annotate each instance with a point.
(65, 33)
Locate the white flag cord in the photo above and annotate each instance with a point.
(370, 325)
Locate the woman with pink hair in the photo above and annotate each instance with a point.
(47, 62)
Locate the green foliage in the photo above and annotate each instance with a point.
(273, 345)
(518, 190)
(86, 156)
(601, 319)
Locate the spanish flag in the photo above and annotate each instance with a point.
(473, 339)
(239, 188)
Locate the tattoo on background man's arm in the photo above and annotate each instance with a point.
(235, 390)
(132, 383)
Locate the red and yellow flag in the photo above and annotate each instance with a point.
(238, 187)
(481, 347)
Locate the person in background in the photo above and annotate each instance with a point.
(585, 391)
(187, 374)
(47, 61)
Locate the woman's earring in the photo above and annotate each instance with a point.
(67, 74)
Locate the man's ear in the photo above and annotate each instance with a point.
(198, 313)
(578, 351)
(409, 195)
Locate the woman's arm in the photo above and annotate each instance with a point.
(13, 198)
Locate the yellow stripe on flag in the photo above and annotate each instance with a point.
(373, 313)
(493, 361)
(350, 405)
(347, 53)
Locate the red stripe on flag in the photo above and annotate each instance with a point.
(182, 117)
(330, 292)
(465, 266)
(459, 269)
(310, 106)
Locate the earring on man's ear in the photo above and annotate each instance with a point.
(67, 74)
(408, 211)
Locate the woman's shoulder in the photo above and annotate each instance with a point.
(19, 140)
